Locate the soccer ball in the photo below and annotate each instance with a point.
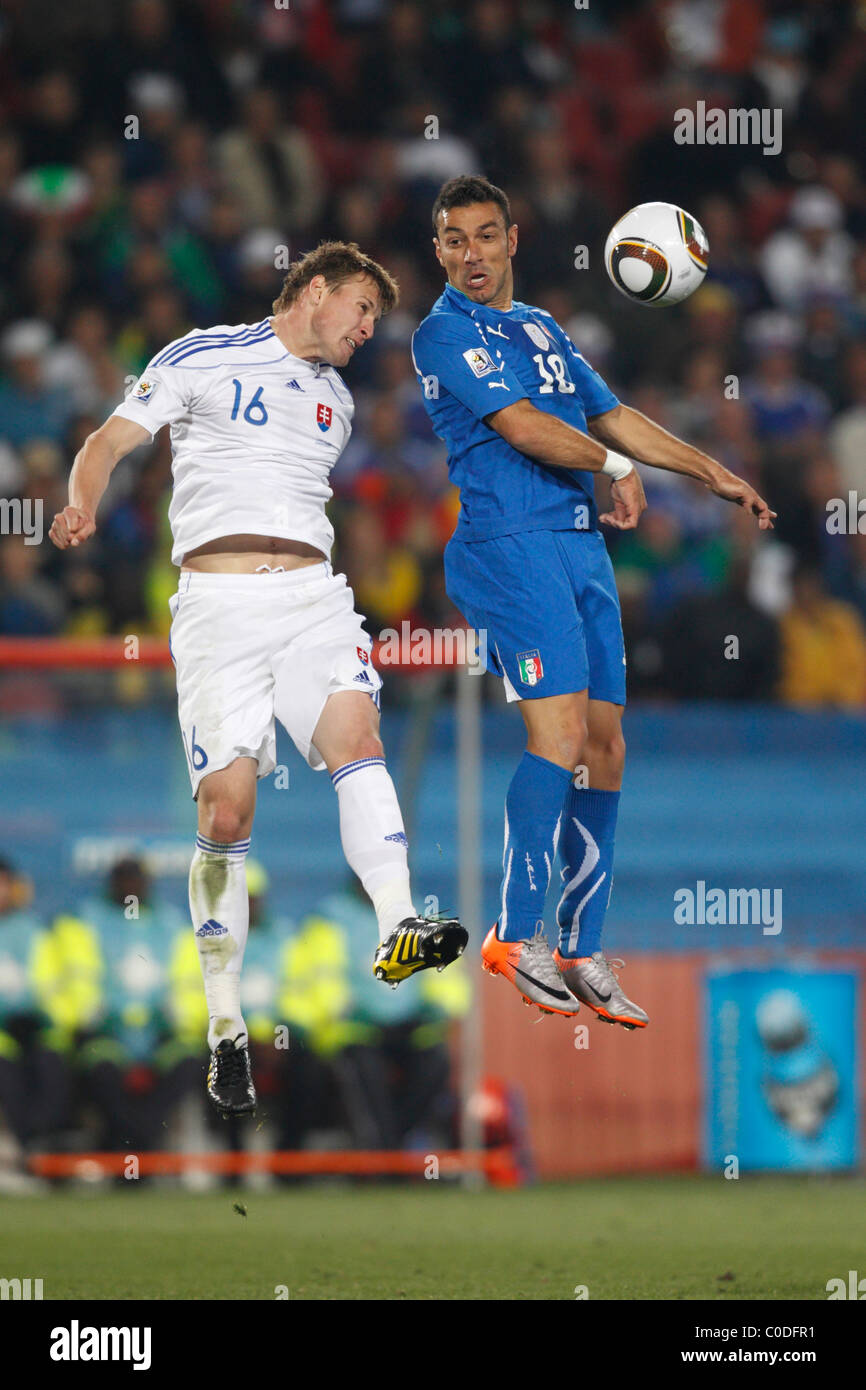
(656, 254)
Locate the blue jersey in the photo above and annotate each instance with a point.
(472, 360)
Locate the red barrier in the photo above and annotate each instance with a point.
(497, 1164)
(57, 653)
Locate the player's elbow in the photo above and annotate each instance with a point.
(115, 439)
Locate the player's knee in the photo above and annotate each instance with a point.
(564, 745)
(573, 743)
(224, 821)
(364, 744)
(609, 749)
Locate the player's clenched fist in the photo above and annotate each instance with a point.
(629, 500)
(71, 527)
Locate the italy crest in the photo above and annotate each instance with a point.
(531, 669)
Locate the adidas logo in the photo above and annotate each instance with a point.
(399, 838)
(362, 676)
(212, 928)
(294, 385)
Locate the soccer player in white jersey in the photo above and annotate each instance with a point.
(261, 626)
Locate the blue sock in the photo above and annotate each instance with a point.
(586, 846)
(533, 817)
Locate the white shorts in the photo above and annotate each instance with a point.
(251, 647)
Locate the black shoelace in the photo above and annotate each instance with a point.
(231, 1066)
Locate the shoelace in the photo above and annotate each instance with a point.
(231, 1067)
(538, 953)
(607, 965)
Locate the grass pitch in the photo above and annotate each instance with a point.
(634, 1238)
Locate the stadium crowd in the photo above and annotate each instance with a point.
(158, 162)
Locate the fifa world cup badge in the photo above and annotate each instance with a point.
(531, 669)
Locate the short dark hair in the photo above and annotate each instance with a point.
(467, 189)
(338, 261)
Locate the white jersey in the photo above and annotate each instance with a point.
(255, 432)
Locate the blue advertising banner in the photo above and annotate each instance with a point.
(781, 1069)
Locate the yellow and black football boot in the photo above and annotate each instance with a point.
(419, 943)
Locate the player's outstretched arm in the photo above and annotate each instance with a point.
(546, 438)
(93, 466)
(642, 439)
(551, 440)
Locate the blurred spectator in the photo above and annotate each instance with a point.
(47, 282)
(731, 264)
(783, 405)
(29, 407)
(161, 317)
(30, 606)
(672, 566)
(848, 430)
(287, 1079)
(388, 1049)
(157, 103)
(489, 54)
(192, 176)
(269, 167)
(51, 129)
(34, 1078)
(83, 365)
(823, 648)
(154, 249)
(258, 279)
(813, 255)
(127, 996)
(386, 582)
(153, 38)
(720, 646)
(44, 482)
(825, 348)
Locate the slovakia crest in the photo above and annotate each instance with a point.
(324, 416)
(363, 657)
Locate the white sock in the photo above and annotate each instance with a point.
(374, 841)
(219, 904)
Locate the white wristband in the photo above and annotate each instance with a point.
(617, 466)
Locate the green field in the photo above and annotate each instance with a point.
(668, 1238)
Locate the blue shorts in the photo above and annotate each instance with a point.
(547, 601)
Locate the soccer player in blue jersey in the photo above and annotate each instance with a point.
(527, 423)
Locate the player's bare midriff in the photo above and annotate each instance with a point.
(245, 554)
